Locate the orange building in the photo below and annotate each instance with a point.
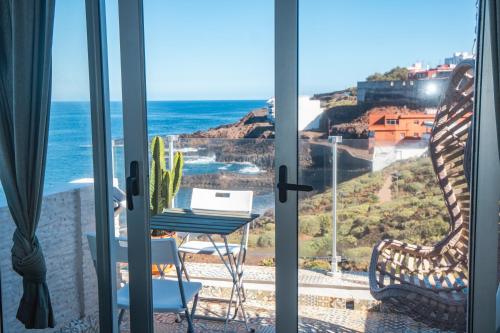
(392, 128)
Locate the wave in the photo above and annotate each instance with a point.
(199, 159)
(251, 169)
(187, 150)
(225, 167)
(82, 181)
(90, 180)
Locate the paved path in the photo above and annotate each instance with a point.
(346, 286)
(262, 274)
(385, 194)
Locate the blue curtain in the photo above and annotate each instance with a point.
(25, 92)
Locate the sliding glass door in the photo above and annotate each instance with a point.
(196, 105)
(358, 163)
(385, 106)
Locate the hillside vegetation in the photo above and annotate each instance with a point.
(414, 213)
(395, 74)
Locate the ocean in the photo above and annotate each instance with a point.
(69, 155)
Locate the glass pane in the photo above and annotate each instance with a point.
(208, 83)
(118, 153)
(68, 204)
(378, 118)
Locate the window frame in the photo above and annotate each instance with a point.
(485, 193)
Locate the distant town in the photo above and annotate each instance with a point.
(395, 110)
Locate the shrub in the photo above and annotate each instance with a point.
(348, 240)
(325, 225)
(395, 74)
(360, 256)
(317, 265)
(309, 225)
(269, 227)
(268, 262)
(252, 239)
(414, 187)
(265, 240)
(315, 247)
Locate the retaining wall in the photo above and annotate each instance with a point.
(418, 93)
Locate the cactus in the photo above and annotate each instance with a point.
(164, 184)
(158, 169)
(175, 177)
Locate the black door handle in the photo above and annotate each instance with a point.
(132, 186)
(283, 186)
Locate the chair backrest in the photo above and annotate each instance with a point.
(447, 147)
(234, 201)
(163, 251)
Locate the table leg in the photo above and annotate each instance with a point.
(239, 263)
(183, 258)
(232, 267)
(237, 282)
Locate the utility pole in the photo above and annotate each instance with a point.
(334, 140)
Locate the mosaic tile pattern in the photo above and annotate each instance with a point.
(318, 314)
(312, 320)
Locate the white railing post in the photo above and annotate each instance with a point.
(334, 140)
(113, 143)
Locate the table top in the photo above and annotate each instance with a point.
(201, 221)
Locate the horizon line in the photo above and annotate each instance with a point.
(170, 100)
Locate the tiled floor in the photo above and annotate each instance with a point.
(327, 318)
(267, 274)
(312, 320)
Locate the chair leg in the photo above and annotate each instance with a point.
(190, 316)
(195, 302)
(190, 322)
(120, 317)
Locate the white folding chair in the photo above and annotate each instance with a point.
(224, 201)
(218, 200)
(169, 296)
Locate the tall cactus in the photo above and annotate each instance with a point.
(174, 178)
(164, 184)
(158, 169)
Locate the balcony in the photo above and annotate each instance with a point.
(401, 201)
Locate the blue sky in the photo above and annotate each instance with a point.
(224, 49)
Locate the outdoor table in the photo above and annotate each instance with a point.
(209, 223)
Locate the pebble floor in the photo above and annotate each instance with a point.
(312, 320)
(261, 313)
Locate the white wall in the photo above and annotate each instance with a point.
(385, 155)
(310, 112)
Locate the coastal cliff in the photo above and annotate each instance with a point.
(252, 126)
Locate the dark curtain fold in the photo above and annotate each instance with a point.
(26, 28)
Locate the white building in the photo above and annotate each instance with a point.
(310, 112)
(457, 58)
(271, 114)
